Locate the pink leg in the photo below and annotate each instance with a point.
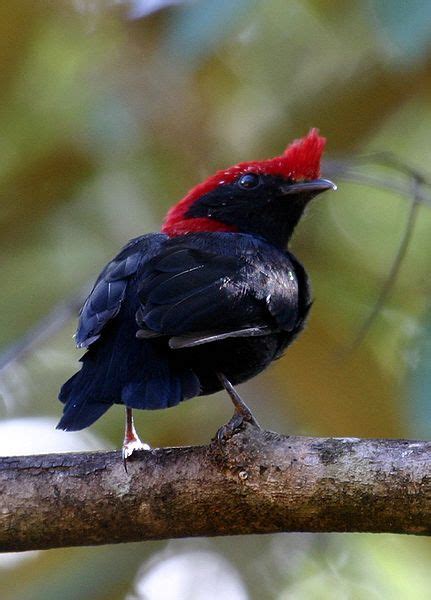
(131, 439)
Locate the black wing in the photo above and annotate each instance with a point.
(185, 291)
(107, 295)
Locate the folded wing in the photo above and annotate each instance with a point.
(196, 296)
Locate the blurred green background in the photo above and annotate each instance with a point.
(109, 112)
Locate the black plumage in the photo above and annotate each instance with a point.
(204, 283)
(212, 300)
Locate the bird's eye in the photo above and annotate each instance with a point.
(249, 181)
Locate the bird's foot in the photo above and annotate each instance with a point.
(241, 415)
(235, 424)
(130, 446)
(131, 442)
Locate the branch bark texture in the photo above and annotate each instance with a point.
(256, 482)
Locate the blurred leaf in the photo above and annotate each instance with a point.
(407, 25)
(104, 573)
(143, 8)
(41, 184)
(196, 29)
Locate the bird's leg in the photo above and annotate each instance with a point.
(131, 439)
(242, 412)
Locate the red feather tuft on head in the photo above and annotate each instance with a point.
(300, 161)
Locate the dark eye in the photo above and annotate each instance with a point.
(249, 181)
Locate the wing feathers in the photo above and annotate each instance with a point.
(107, 296)
(185, 291)
(190, 341)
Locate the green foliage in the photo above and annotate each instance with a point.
(106, 121)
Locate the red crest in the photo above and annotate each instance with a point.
(300, 161)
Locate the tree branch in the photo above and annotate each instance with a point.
(257, 482)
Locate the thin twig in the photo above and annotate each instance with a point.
(415, 190)
(43, 330)
(393, 272)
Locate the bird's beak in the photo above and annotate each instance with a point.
(316, 186)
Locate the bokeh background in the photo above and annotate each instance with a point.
(109, 112)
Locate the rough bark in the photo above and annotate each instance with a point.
(256, 482)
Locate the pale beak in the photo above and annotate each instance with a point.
(316, 186)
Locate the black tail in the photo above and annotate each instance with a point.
(83, 404)
(137, 374)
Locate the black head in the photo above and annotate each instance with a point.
(269, 206)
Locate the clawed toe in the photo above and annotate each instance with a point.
(241, 415)
(227, 431)
(133, 446)
(130, 447)
(131, 443)
(233, 426)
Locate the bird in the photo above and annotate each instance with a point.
(206, 303)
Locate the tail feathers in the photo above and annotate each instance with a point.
(67, 388)
(81, 414)
(89, 393)
(83, 400)
(161, 391)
